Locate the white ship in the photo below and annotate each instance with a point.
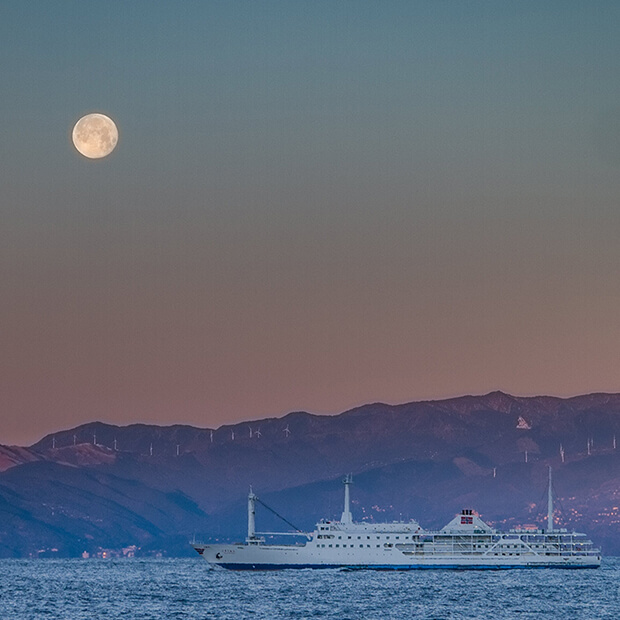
(466, 542)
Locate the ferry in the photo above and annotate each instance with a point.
(466, 542)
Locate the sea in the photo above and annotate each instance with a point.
(189, 588)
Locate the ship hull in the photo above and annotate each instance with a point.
(408, 567)
(279, 557)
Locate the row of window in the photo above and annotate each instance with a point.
(350, 546)
(379, 546)
(367, 537)
(444, 542)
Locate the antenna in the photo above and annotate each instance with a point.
(347, 517)
(258, 433)
(287, 431)
(550, 504)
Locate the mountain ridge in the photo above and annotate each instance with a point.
(595, 398)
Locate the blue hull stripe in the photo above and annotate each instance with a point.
(396, 567)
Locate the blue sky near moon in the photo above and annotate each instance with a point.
(312, 205)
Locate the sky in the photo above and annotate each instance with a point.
(312, 205)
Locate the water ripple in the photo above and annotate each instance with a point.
(186, 588)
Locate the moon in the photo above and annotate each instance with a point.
(95, 136)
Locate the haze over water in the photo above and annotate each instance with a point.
(179, 589)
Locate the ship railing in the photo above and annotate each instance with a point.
(498, 546)
(308, 535)
(526, 549)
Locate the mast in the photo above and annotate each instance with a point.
(549, 505)
(346, 515)
(251, 515)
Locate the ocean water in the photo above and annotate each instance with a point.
(187, 588)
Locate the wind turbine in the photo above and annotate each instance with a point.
(53, 443)
(177, 449)
(94, 439)
(151, 450)
(614, 442)
(562, 453)
(115, 444)
(287, 431)
(258, 433)
(232, 435)
(211, 436)
(250, 431)
(74, 439)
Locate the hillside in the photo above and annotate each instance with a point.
(103, 486)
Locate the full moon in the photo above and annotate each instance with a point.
(95, 136)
